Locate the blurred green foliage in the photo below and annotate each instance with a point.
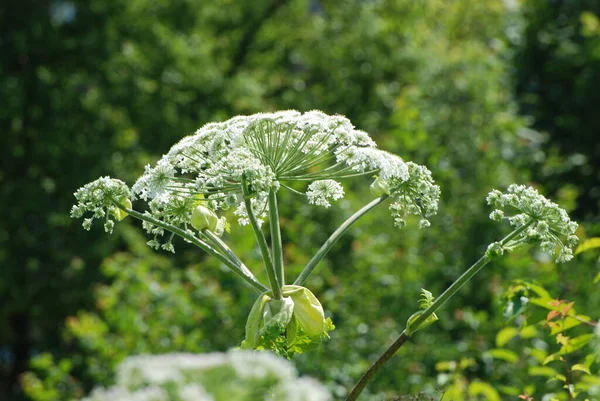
(558, 70)
(105, 86)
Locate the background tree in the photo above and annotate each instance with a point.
(557, 65)
(105, 86)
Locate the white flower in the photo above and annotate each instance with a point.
(319, 192)
(265, 149)
(417, 195)
(261, 365)
(265, 152)
(368, 159)
(547, 222)
(302, 389)
(194, 392)
(151, 393)
(155, 181)
(239, 375)
(99, 197)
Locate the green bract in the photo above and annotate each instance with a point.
(299, 315)
(203, 217)
(120, 214)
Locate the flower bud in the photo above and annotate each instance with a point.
(380, 187)
(203, 217)
(119, 213)
(410, 326)
(299, 312)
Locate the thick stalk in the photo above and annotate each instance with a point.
(244, 274)
(276, 245)
(262, 243)
(439, 301)
(328, 244)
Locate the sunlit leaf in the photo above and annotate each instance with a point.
(588, 244)
(581, 368)
(504, 354)
(541, 371)
(505, 335)
(484, 389)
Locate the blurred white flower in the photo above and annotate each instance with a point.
(235, 375)
(547, 222)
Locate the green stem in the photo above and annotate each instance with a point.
(276, 245)
(328, 244)
(218, 242)
(405, 335)
(262, 242)
(244, 274)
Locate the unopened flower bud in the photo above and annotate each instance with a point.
(380, 187)
(203, 217)
(119, 213)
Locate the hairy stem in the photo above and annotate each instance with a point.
(243, 273)
(328, 244)
(262, 243)
(446, 295)
(276, 245)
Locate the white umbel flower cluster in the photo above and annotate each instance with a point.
(546, 221)
(99, 198)
(246, 158)
(236, 375)
(267, 150)
(321, 191)
(414, 195)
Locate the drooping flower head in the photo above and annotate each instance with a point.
(546, 222)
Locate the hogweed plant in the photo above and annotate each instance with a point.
(243, 164)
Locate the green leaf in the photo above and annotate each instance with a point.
(509, 390)
(575, 344)
(540, 291)
(445, 366)
(588, 244)
(538, 354)
(567, 323)
(545, 371)
(485, 389)
(581, 368)
(505, 335)
(528, 332)
(504, 354)
(551, 358)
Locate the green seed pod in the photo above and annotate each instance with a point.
(380, 187)
(119, 213)
(203, 217)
